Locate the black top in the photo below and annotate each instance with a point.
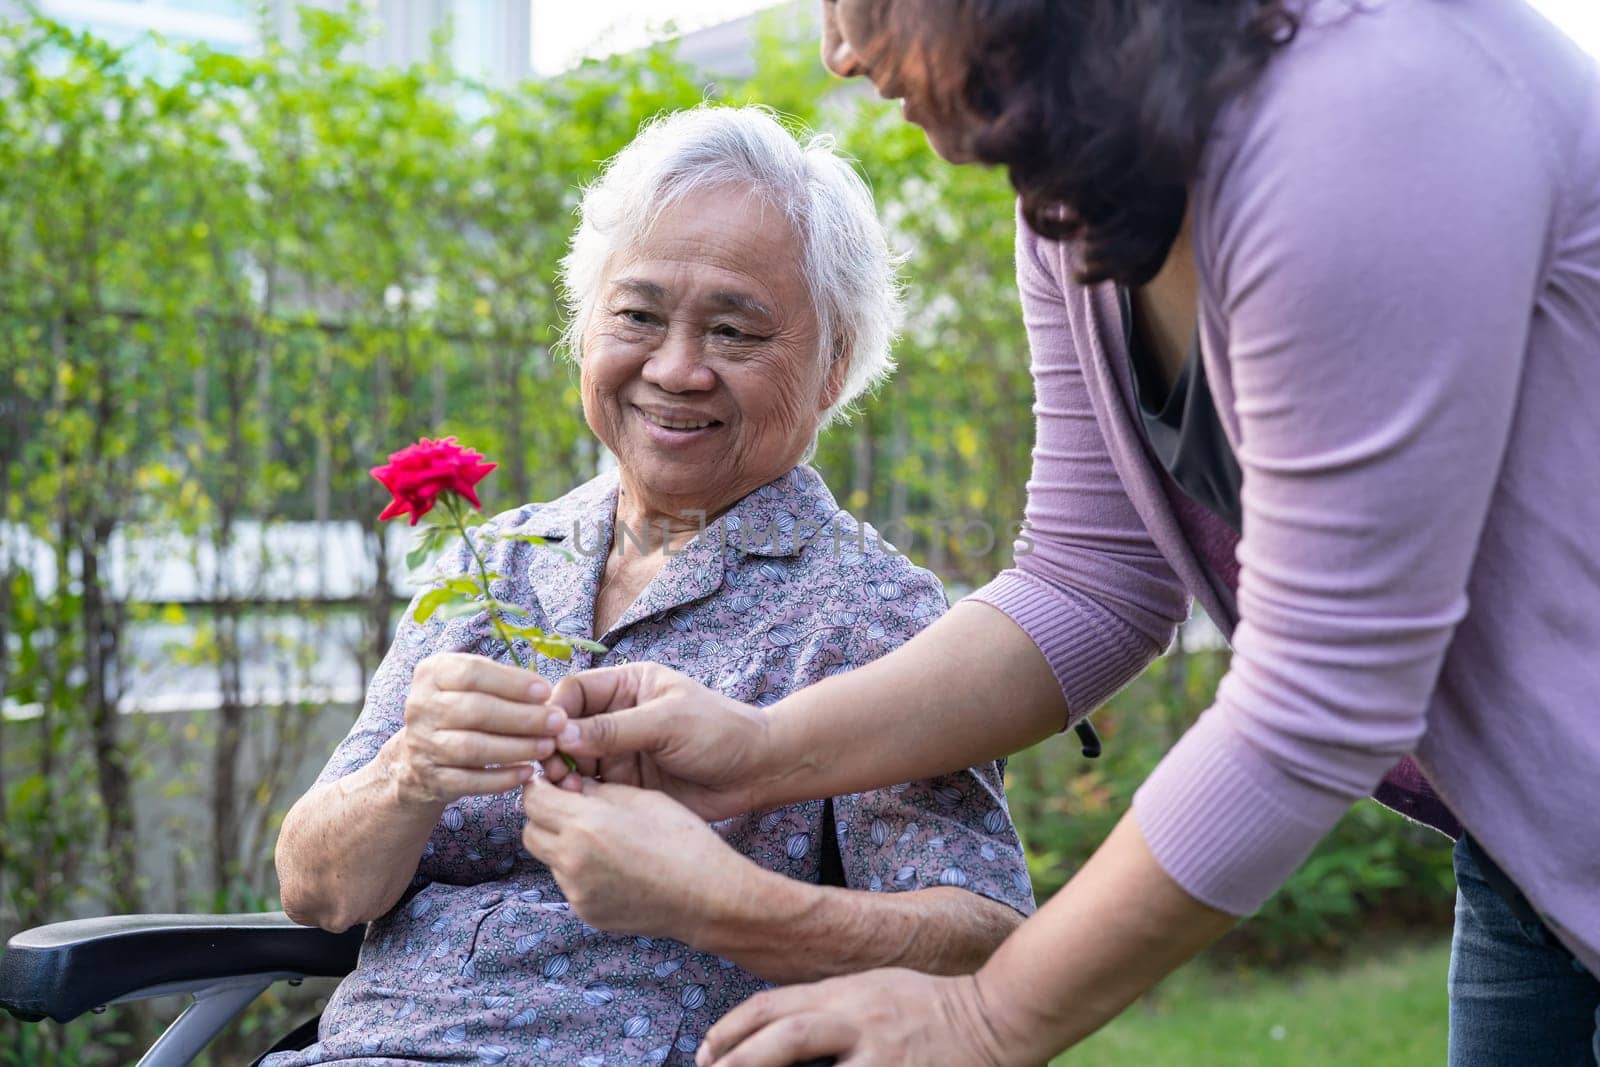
(1182, 427)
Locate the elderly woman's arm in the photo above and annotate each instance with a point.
(788, 931)
(350, 846)
(336, 854)
(635, 861)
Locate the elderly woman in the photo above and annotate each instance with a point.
(731, 292)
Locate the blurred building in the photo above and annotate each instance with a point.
(728, 49)
(490, 39)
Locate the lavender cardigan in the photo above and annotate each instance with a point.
(1398, 236)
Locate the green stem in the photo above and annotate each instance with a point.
(496, 611)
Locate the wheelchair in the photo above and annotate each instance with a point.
(65, 969)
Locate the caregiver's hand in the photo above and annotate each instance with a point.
(873, 1019)
(646, 725)
(471, 727)
(632, 861)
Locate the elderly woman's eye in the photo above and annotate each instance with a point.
(730, 333)
(637, 317)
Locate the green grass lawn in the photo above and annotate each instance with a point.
(1375, 1012)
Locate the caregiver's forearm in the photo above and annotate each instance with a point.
(970, 688)
(349, 848)
(1114, 931)
(786, 931)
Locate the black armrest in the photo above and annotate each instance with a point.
(65, 969)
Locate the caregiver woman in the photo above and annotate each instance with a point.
(1313, 296)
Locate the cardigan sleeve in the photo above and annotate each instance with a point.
(1371, 237)
(1088, 585)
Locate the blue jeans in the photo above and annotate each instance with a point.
(1518, 998)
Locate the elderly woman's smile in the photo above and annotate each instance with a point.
(681, 427)
(702, 369)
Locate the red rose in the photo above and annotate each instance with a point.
(417, 474)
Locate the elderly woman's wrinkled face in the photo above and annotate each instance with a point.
(702, 369)
(873, 39)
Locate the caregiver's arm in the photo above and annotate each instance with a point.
(969, 689)
(1117, 952)
(1083, 958)
(634, 861)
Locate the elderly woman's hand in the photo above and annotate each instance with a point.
(632, 861)
(884, 1018)
(647, 725)
(472, 727)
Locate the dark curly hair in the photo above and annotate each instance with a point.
(1099, 109)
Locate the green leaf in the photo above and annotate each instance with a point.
(432, 602)
(456, 609)
(535, 539)
(527, 633)
(469, 585)
(587, 645)
(560, 650)
(427, 542)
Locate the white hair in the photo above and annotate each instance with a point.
(844, 255)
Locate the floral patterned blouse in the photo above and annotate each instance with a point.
(483, 961)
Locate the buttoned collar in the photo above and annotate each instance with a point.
(775, 521)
